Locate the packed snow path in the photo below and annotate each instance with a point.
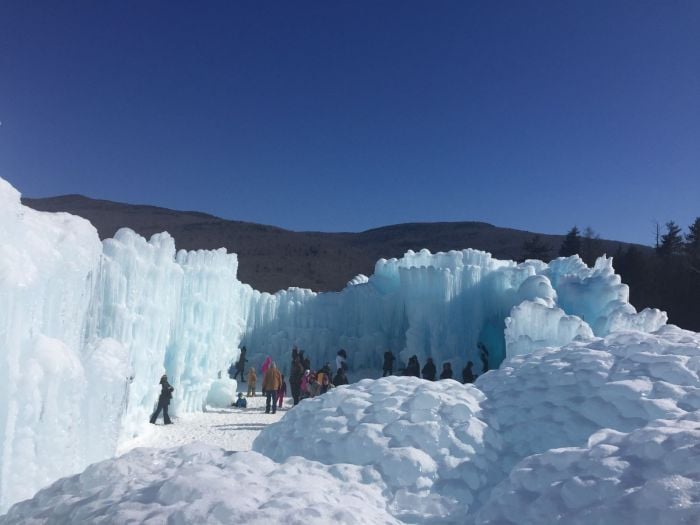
(229, 428)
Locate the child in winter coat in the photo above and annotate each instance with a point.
(241, 402)
(252, 378)
(282, 392)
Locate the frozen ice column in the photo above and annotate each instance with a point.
(47, 266)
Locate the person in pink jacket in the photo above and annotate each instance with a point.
(266, 364)
(282, 392)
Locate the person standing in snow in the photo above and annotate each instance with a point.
(240, 365)
(429, 370)
(166, 394)
(446, 371)
(266, 364)
(270, 385)
(252, 379)
(484, 356)
(341, 360)
(388, 366)
(413, 367)
(295, 376)
(340, 378)
(281, 392)
(295, 353)
(305, 384)
(468, 374)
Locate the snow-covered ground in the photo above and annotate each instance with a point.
(227, 428)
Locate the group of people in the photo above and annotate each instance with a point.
(429, 370)
(306, 382)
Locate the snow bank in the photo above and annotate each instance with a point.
(426, 439)
(558, 397)
(601, 431)
(201, 484)
(650, 476)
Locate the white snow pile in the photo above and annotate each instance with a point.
(202, 484)
(426, 439)
(222, 393)
(558, 397)
(650, 476)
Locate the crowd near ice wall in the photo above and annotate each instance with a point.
(88, 327)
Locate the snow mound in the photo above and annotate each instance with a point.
(202, 484)
(222, 393)
(558, 397)
(426, 439)
(649, 476)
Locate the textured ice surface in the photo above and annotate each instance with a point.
(425, 438)
(201, 484)
(47, 267)
(650, 476)
(87, 328)
(558, 397)
(604, 431)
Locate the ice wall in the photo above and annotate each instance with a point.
(442, 305)
(87, 328)
(47, 266)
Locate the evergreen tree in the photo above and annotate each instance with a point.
(571, 244)
(536, 248)
(591, 246)
(671, 241)
(692, 246)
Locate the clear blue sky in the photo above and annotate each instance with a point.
(343, 116)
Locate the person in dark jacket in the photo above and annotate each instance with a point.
(446, 371)
(340, 378)
(429, 370)
(240, 365)
(295, 376)
(413, 367)
(468, 374)
(166, 394)
(484, 356)
(241, 402)
(388, 366)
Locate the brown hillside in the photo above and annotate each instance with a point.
(272, 258)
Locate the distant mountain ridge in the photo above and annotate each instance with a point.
(272, 258)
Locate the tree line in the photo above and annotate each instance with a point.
(665, 277)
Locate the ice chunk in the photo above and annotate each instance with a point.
(615, 479)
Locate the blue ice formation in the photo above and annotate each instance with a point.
(88, 327)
